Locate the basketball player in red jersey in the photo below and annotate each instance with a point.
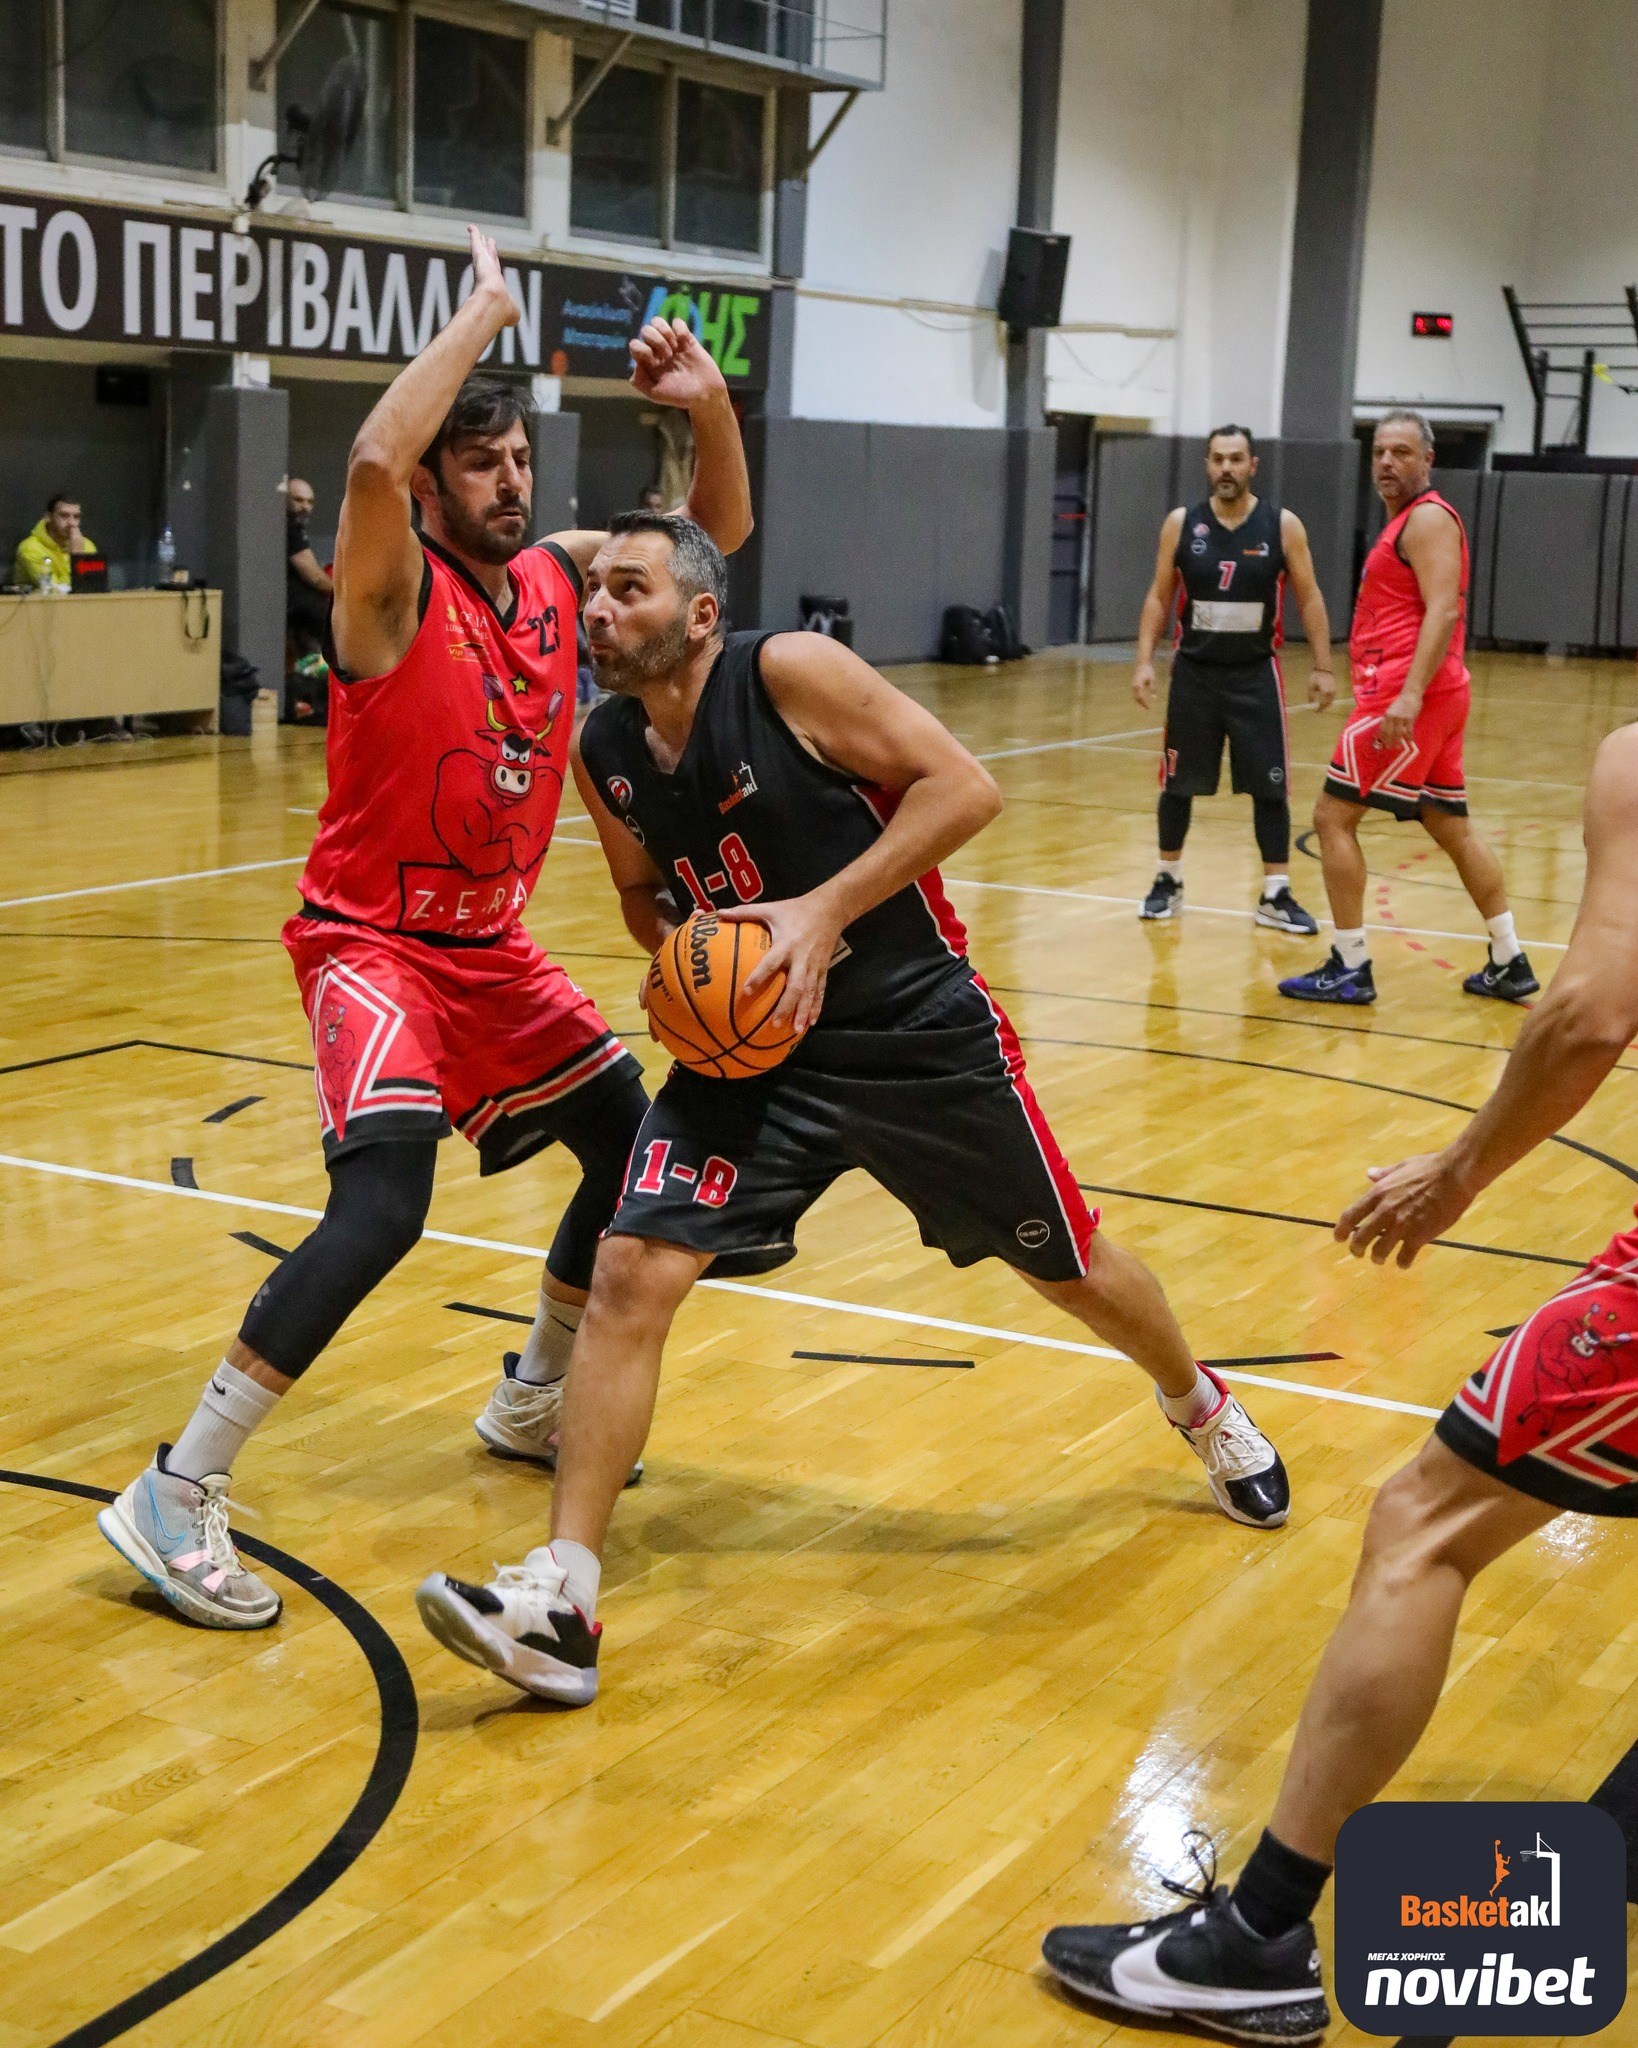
(454, 659)
(1401, 749)
(1548, 1425)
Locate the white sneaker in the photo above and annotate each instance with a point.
(1248, 1481)
(521, 1419)
(175, 1532)
(521, 1626)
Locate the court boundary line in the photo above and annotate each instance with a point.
(398, 1733)
(1028, 1339)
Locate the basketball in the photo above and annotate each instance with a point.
(697, 1006)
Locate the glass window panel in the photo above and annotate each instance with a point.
(140, 80)
(719, 166)
(335, 34)
(22, 73)
(616, 159)
(471, 101)
(742, 23)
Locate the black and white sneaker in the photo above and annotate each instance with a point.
(1203, 1965)
(1165, 898)
(1248, 1480)
(521, 1626)
(1281, 912)
(1509, 984)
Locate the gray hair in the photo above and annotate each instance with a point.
(1411, 418)
(697, 566)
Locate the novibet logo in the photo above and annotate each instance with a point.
(1424, 1893)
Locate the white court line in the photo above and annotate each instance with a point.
(1415, 931)
(820, 1301)
(1098, 739)
(248, 867)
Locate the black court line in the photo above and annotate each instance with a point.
(182, 1173)
(260, 1244)
(871, 1358)
(496, 1315)
(220, 1116)
(59, 938)
(1218, 1059)
(1454, 1244)
(1280, 1358)
(394, 1753)
(204, 1052)
(1506, 1330)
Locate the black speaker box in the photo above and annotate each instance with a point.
(1032, 291)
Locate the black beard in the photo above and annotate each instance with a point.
(661, 655)
(475, 537)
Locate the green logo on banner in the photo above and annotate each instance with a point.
(717, 318)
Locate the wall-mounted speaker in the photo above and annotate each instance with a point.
(1032, 290)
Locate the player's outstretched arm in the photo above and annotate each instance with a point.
(1574, 1036)
(849, 716)
(1299, 564)
(645, 901)
(378, 558)
(1157, 607)
(670, 366)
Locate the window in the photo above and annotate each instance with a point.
(719, 167)
(471, 113)
(618, 155)
(23, 74)
(139, 80)
(666, 159)
(338, 34)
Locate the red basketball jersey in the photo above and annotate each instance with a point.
(1388, 618)
(447, 771)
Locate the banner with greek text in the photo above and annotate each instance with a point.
(106, 273)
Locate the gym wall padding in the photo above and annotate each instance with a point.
(1133, 489)
(901, 521)
(1546, 552)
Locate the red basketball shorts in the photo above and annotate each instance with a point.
(1554, 1411)
(1425, 770)
(410, 1039)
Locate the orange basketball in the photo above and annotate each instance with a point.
(697, 1006)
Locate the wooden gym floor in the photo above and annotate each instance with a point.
(904, 1661)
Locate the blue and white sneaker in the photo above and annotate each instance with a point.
(175, 1532)
(1332, 983)
(1281, 912)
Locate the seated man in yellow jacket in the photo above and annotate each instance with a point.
(53, 540)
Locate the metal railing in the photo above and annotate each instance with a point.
(835, 42)
(1567, 344)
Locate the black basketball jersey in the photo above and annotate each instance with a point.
(750, 816)
(1233, 582)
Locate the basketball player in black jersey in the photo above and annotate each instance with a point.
(1232, 554)
(776, 776)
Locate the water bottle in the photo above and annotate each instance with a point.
(167, 555)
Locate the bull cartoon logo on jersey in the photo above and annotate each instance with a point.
(481, 815)
(338, 1051)
(620, 791)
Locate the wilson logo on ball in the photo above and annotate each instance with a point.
(698, 1008)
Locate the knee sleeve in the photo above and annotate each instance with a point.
(377, 1207)
(600, 1131)
(1271, 820)
(1175, 812)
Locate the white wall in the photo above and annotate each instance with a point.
(912, 199)
(1177, 179)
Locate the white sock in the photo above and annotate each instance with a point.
(582, 1571)
(1273, 884)
(1174, 868)
(545, 1357)
(1504, 942)
(1352, 947)
(231, 1406)
(1198, 1405)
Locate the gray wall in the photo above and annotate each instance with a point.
(248, 440)
(323, 420)
(901, 521)
(55, 437)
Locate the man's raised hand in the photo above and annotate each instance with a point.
(669, 365)
(488, 277)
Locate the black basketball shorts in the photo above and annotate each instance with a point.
(1208, 705)
(935, 1107)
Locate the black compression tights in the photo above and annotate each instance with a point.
(1270, 817)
